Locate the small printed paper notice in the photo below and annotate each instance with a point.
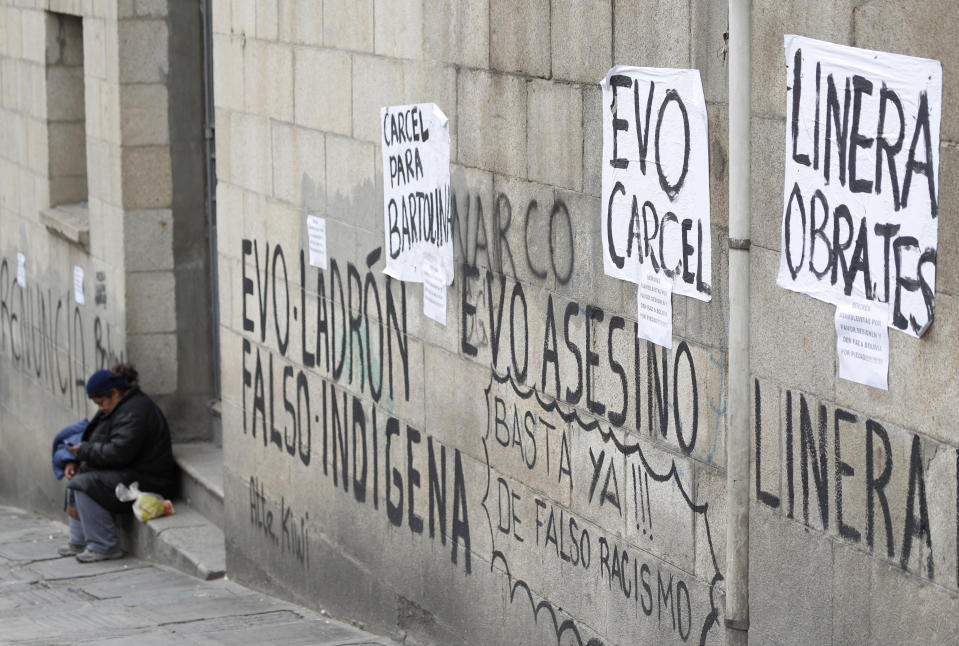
(316, 230)
(654, 309)
(434, 290)
(862, 342)
(417, 216)
(78, 284)
(21, 270)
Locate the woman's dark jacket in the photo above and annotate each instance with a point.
(129, 444)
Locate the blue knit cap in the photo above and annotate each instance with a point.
(102, 381)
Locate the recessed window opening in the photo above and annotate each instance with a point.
(66, 115)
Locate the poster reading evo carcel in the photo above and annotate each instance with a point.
(860, 205)
(655, 193)
(416, 191)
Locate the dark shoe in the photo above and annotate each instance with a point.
(70, 549)
(87, 556)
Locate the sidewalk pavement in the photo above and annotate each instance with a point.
(48, 599)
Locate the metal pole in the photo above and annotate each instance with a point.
(209, 129)
(737, 442)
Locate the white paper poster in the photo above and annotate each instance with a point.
(78, 284)
(655, 193)
(434, 290)
(416, 190)
(316, 232)
(21, 270)
(654, 309)
(862, 342)
(860, 205)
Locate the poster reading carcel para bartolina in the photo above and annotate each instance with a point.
(417, 217)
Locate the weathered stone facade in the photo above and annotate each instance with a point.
(583, 490)
(531, 472)
(101, 168)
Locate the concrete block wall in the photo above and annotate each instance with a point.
(871, 568)
(136, 263)
(458, 484)
(47, 340)
(342, 403)
(66, 121)
(147, 176)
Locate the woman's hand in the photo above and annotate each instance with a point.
(70, 470)
(73, 448)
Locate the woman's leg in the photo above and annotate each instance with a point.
(77, 536)
(97, 526)
(78, 541)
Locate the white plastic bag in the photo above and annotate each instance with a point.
(146, 505)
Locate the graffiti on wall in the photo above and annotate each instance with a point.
(580, 355)
(52, 340)
(888, 490)
(533, 240)
(570, 497)
(284, 529)
(330, 404)
(326, 384)
(535, 237)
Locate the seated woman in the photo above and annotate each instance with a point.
(128, 440)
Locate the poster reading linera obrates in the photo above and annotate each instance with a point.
(860, 206)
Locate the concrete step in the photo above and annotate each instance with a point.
(185, 540)
(201, 483)
(191, 540)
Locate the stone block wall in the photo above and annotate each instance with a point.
(531, 473)
(49, 343)
(92, 119)
(868, 543)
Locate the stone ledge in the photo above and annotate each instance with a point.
(201, 480)
(186, 541)
(191, 540)
(69, 221)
